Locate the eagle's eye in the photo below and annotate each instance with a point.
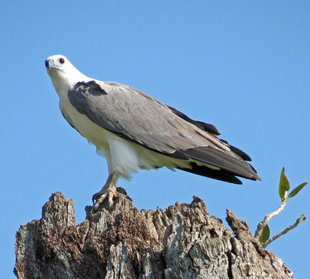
(61, 60)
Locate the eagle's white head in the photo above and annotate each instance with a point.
(63, 74)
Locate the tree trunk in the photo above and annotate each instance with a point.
(119, 241)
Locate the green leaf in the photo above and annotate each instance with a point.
(264, 235)
(296, 190)
(284, 185)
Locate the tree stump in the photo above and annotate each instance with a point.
(119, 241)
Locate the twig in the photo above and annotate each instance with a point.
(262, 224)
(299, 220)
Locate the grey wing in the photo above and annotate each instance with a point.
(140, 118)
(137, 116)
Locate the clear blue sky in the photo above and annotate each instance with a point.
(241, 65)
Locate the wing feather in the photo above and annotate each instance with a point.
(138, 117)
(133, 115)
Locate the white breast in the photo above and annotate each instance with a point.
(123, 156)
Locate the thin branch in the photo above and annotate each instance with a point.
(298, 221)
(267, 218)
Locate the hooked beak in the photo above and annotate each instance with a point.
(47, 64)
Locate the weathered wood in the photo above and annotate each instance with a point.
(120, 241)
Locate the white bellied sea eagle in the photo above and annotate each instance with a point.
(135, 131)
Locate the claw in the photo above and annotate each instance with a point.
(96, 197)
(108, 192)
(109, 195)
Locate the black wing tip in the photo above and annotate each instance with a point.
(237, 151)
(201, 125)
(211, 173)
(227, 165)
(210, 129)
(240, 153)
(255, 176)
(221, 175)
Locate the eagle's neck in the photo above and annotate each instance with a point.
(64, 82)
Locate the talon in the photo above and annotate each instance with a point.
(96, 197)
(107, 192)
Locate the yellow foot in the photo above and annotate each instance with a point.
(109, 194)
(105, 194)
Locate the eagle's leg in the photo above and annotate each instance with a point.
(108, 191)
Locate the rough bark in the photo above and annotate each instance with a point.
(119, 241)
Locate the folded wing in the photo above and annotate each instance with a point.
(135, 116)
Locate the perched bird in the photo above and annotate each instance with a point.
(135, 131)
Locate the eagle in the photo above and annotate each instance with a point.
(133, 131)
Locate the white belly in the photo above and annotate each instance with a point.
(123, 156)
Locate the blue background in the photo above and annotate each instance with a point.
(240, 65)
